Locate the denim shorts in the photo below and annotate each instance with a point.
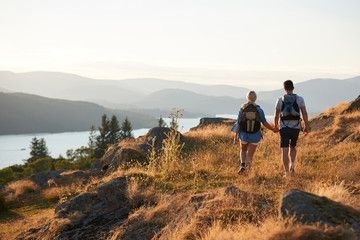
(288, 136)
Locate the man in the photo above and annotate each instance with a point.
(288, 109)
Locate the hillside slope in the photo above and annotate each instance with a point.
(25, 113)
(190, 189)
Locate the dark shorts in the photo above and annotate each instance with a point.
(289, 136)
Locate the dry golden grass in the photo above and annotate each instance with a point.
(62, 193)
(10, 229)
(16, 189)
(208, 163)
(338, 109)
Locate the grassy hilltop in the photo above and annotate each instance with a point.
(157, 193)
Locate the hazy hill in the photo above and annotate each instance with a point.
(66, 86)
(149, 93)
(46, 83)
(74, 87)
(3, 90)
(193, 102)
(150, 85)
(25, 113)
(320, 94)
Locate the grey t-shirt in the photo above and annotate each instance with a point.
(290, 123)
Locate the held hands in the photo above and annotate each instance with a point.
(275, 129)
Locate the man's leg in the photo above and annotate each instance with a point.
(285, 158)
(250, 154)
(292, 158)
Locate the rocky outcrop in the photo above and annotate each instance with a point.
(41, 179)
(309, 208)
(354, 106)
(131, 151)
(321, 122)
(214, 121)
(88, 215)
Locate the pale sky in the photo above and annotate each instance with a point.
(256, 44)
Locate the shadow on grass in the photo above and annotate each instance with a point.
(8, 215)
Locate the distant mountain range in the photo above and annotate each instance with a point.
(26, 113)
(154, 97)
(320, 94)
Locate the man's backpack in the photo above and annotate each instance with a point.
(289, 108)
(250, 118)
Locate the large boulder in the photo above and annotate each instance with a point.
(158, 135)
(206, 121)
(87, 216)
(309, 208)
(41, 179)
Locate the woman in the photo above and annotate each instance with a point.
(248, 130)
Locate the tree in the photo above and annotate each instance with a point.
(92, 138)
(161, 122)
(109, 133)
(102, 140)
(115, 130)
(38, 150)
(126, 129)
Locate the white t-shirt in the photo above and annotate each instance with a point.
(290, 123)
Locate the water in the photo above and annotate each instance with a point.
(14, 149)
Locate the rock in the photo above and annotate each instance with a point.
(351, 138)
(111, 193)
(41, 179)
(321, 122)
(354, 106)
(100, 211)
(92, 215)
(235, 192)
(96, 166)
(214, 121)
(159, 134)
(309, 208)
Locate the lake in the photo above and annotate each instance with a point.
(15, 148)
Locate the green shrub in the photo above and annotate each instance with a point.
(83, 163)
(7, 175)
(42, 165)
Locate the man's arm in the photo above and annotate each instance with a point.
(276, 118)
(306, 120)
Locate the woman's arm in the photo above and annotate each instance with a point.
(236, 138)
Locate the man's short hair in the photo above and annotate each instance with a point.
(289, 85)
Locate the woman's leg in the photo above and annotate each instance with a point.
(250, 154)
(243, 152)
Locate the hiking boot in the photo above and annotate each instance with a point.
(286, 175)
(292, 167)
(242, 168)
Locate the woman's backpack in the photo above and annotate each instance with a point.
(250, 118)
